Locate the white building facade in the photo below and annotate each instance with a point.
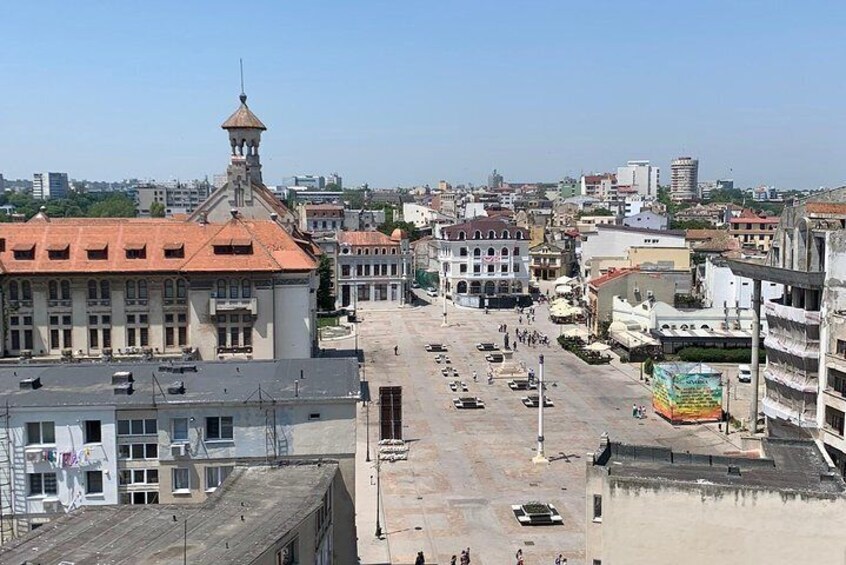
(638, 177)
(484, 258)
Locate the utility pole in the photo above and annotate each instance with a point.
(540, 458)
(443, 295)
(367, 423)
(728, 404)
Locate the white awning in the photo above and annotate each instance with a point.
(597, 346)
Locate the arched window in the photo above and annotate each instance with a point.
(53, 290)
(477, 235)
(142, 289)
(105, 290)
(384, 251)
(221, 288)
(168, 289)
(367, 251)
(92, 290)
(130, 290)
(358, 251)
(705, 327)
(518, 235)
(26, 290)
(233, 289)
(505, 252)
(461, 235)
(65, 286)
(181, 288)
(491, 252)
(516, 251)
(245, 288)
(505, 234)
(491, 235)
(393, 251)
(477, 252)
(13, 290)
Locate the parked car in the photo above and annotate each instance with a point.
(744, 374)
(436, 347)
(431, 292)
(415, 285)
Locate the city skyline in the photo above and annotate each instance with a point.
(407, 95)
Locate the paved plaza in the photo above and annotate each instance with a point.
(467, 467)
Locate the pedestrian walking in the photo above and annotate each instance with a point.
(453, 560)
(396, 350)
(634, 410)
(468, 556)
(420, 559)
(475, 377)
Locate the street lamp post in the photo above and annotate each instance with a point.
(378, 491)
(540, 457)
(367, 423)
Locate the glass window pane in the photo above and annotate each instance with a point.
(123, 427)
(152, 451)
(180, 429)
(150, 426)
(33, 433)
(48, 432)
(137, 427)
(138, 451)
(50, 483)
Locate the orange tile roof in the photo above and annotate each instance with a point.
(355, 238)
(826, 207)
(611, 275)
(273, 249)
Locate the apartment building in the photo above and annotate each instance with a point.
(684, 179)
(601, 187)
(753, 231)
(485, 262)
(374, 270)
(110, 288)
(614, 242)
(149, 433)
(550, 260)
(638, 177)
(321, 218)
(176, 197)
(806, 344)
(50, 185)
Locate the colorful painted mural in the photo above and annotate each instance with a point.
(687, 392)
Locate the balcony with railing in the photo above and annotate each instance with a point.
(226, 305)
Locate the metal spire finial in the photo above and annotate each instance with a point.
(243, 94)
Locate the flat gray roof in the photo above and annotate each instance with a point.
(790, 465)
(90, 384)
(272, 501)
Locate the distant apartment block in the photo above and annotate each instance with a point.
(176, 197)
(46, 186)
(601, 187)
(684, 179)
(638, 177)
(753, 231)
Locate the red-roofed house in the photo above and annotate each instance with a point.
(753, 231)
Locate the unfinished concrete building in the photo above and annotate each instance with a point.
(805, 375)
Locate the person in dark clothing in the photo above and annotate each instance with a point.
(420, 559)
(396, 350)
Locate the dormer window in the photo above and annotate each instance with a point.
(233, 247)
(174, 251)
(518, 235)
(477, 235)
(461, 236)
(97, 251)
(24, 251)
(58, 252)
(491, 235)
(505, 234)
(136, 251)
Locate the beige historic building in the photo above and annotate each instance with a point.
(373, 269)
(87, 288)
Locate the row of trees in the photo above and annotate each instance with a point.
(98, 205)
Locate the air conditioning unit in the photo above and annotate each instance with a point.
(180, 450)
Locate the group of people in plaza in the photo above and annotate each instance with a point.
(532, 339)
(638, 412)
(560, 560)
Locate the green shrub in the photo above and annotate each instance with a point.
(716, 355)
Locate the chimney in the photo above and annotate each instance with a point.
(176, 388)
(122, 378)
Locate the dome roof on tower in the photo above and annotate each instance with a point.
(399, 234)
(243, 118)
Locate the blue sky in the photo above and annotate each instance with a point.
(400, 93)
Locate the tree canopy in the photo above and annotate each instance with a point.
(97, 205)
